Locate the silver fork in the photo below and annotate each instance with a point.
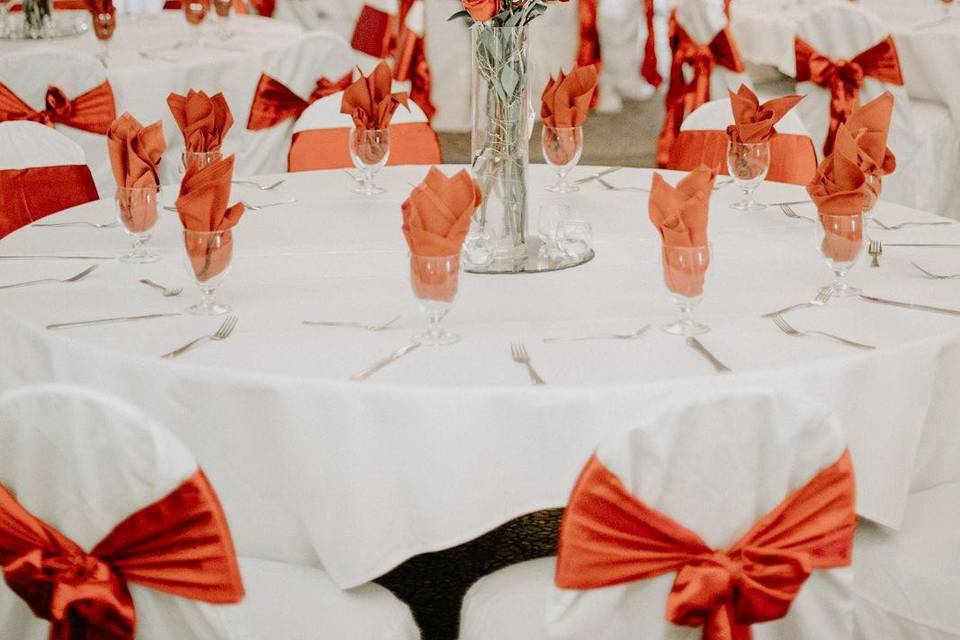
(520, 356)
(610, 187)
(790, 213)
(356, 325)
(788, 329)
(262, 187)
(822, 298)
(168, 292)
(894, 227)
(78, 223)
(875, 249)
(604, 336)
(936, 276)
(221, 334)
(257, 207)
(79, 276)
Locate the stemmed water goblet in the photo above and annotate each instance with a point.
(748, 163)
(137, 212)
(369, 150)
(208, 255)
(435, 280)
(196, 160)
(195, 11)
(684, 272)
(222, 8)
(840, 241)
(561, 148)
(104, 24)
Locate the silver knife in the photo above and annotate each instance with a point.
(57, 258)
(919, 244)
(789, 202)
(910, 305)
(719, 366)
(81, 323)
(605, 172)
(396, 355)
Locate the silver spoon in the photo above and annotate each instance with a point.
(168, 292)
(79, 276)
(936, 276)
(257, 207)
(95, 225)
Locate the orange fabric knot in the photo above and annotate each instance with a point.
(59, 107)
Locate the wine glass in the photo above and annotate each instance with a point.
(947, 6)
(549, 219)
(575, 238)
(137, 212)
(434, 280)
(208, 255)
(195, 11)
(196, 160)
(562, 147)
(369, 150)
(104, 25)
(222, 7)
(748, 163)
(840, 241)
(684, 271)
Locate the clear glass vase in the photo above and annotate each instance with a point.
(500, 138)
(37, 19)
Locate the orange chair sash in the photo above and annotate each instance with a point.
(274, 102)
(793, 158)
(648, 69)
(682, 96)
(92, 111)
(843, 78)
(26, 195)
(410, 143)
(381, 35)
(588, 51)
(609, 537)
(179, 544)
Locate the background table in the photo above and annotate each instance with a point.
(448, 443)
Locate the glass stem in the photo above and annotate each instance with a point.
(686, 315)
(433, 324)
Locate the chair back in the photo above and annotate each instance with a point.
(715, 464)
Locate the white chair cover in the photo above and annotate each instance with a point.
(82, 462)
(925, 143)
(26, 144)
(29, 71)
(321, 54)
(702, 20)
(716, 465)
(139, 6)
(905, 583)
(325, 114)
(718, 114)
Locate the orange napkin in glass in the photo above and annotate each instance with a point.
(203, 120)
(202, 206)
(870, 125)
(369, 100)
(135, 152)
(754, 122)
(839, 187)
(680, 215)
(566, 100)
(436, 218)
(97, 7)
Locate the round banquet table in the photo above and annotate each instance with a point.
(448, 443)
(766, 37)
(151, 56)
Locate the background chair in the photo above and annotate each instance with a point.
(716, 465)
(41, 172)
(83, 462)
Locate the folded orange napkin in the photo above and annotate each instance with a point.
(135, 152)
(840, 185)
(680, 215)
(99, 6)
(369, 100)
(869, 126)
(754, 122)
(202, 206)
(566, 100)
(436, 218)
(203, 120)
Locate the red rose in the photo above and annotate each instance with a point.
(482, 10)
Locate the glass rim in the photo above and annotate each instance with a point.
(547, 126)
(422, 257)
(698, 247)
(369, 130)
(731, 143)
(187, 152)
(206, 233)
(155, 189)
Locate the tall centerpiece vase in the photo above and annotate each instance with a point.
(37, 19)
(499, 140)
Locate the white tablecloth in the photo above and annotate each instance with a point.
(448, 443)
(145, 65)
(927, 53)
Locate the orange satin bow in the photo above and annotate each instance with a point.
(179, 544)
(26, 195)
(381, 35)
(92, 111)
(608, 537)
(843, 78)
(682, 96)
(274, 102)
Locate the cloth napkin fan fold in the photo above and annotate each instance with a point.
(135, 152)
(436, 215)
(754, 122)
(204, 120)
(840, 185)
(369, 101)
(870, 126)
(567, 99)
(202, 203)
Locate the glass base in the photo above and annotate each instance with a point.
(208, 308)
(748, 205)
(685, 328)
(562, 187)
(144, 257)
(372, 190)
(436, 338)
(843, 291)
